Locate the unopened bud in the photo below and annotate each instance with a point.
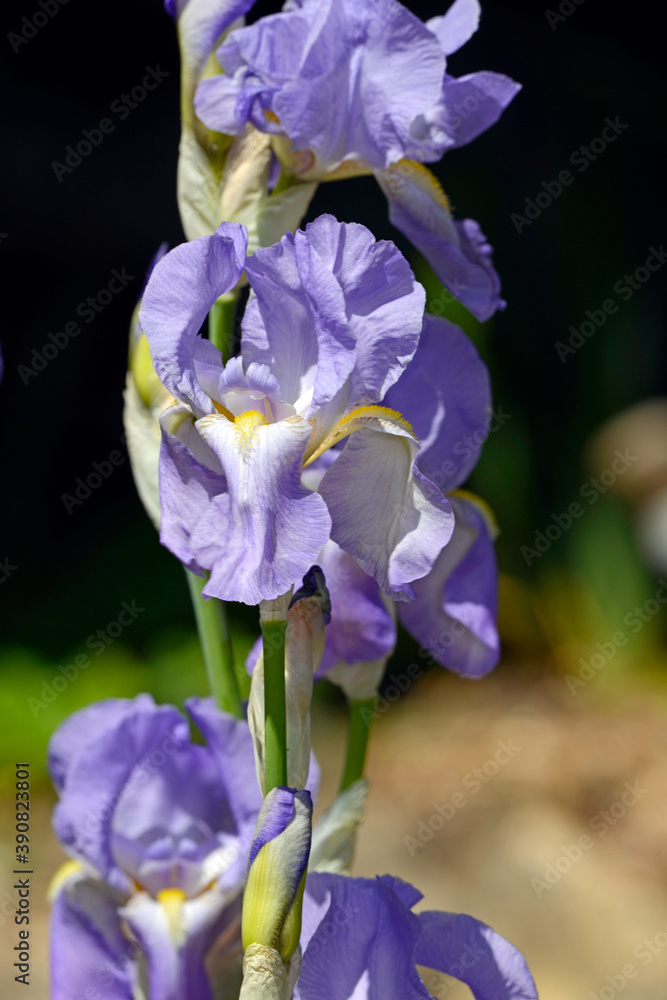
(276, 875)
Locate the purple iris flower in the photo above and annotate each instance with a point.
(348, 88)
(445, 394)
(160, 830)
(333, 320)
(360, 940)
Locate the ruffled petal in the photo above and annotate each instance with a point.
(345, 103)
(350, 314)
(187, 488)
(474, 953)
(266, 530)
(385, 513)
(96, 779)
(227, 103)
(358, 940)
(457, 251)
(89, 954)
(328, 73)
(200, 25)
(454, 614)
(459, 24)
(445, 393)
(474, 103)
(181, 290)
(78, 731)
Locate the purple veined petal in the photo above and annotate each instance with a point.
(350, 315)
(187, 488)
(475, 954)
(466, 108)
(175, 935)
(169, 831)
(358, 942)
(455, 607)
(180, 291)
(457, 251)
(384, 512)
(266, 530)
(96, 779)
(89, 954)
(361, 628)
(272, 48)
(227, 103)
(445, 394)
(230, 742)
(457, 26)
(406, 892)
(474, 103)
(78, 731)
(256, 61)
(345, 104)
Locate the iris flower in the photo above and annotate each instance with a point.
(159, 831)
(163, 833)
(333, 320)
(348, 88)
(445, 393)
(360, 941)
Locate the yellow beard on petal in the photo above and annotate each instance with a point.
(171, 901)
(419, 175)
(246, 427)
(357, 420)
(64, 873)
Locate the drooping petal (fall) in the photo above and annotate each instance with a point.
(266, 530)
(454, 613)
(445, 393)
(457, 251)
(384, 512)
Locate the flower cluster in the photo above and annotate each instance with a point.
(306, 457)
(161, 833)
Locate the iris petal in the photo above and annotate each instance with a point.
(457, 251)
(266, 529)
(385, 513)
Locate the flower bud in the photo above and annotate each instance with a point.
(144, 399)
(276, 873)
(308, 613)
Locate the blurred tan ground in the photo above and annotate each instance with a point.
(576, 754)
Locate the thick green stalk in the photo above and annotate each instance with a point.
(221, 324)
(359, 727)
(216, 644)
(275, 712)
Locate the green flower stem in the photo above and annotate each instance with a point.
(221, 324)
(216, 644)
(358, 732)
(275, 712)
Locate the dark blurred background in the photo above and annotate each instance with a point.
(567, 589)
